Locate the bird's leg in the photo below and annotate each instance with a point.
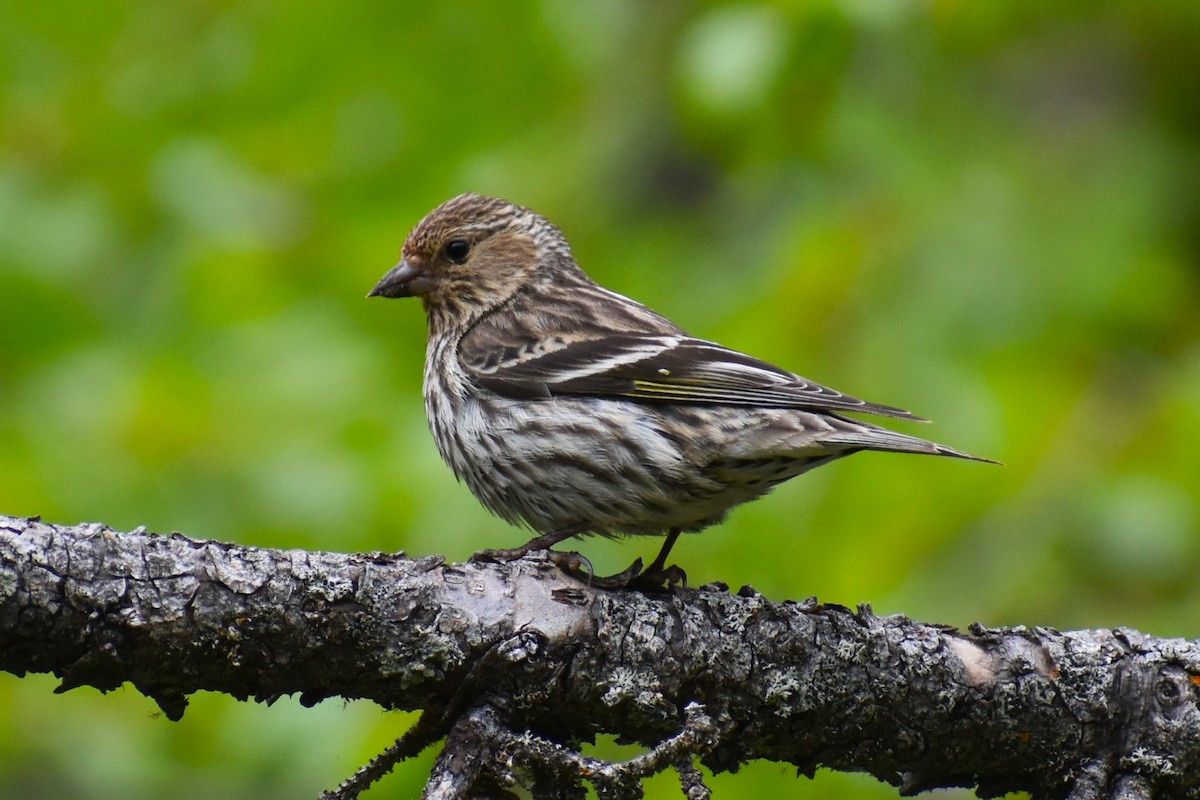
(653, 578)
(658, 575)
(660, 561)
(543, 542)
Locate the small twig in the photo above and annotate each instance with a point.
(1090, 783)
(1131, 787)
(427, 730)
(483, 742)
(699, 732)
(691, 781)
(469, 750)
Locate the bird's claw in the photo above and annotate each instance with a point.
(572, 563)
(656, 580)
(650, 580)
(621, 580)
(653, 579)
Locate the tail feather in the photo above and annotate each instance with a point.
(872, 437)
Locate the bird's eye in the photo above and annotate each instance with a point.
(456, 250)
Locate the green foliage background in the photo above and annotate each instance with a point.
(986, 212)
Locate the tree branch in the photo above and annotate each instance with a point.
(518, 664)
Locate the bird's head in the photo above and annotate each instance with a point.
(472, 253)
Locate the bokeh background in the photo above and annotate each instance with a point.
(985, 212)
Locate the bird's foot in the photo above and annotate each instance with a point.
(658, 579)
(543, 542)
(621, 580)
(652, 580)
(573, 563)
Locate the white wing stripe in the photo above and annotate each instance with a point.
(725, 369)
(645, 350)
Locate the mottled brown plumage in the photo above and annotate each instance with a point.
(570, 408)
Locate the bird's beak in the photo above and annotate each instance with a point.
(406, 279)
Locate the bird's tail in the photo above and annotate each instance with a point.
(873, 437)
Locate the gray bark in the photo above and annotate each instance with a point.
(516, 664)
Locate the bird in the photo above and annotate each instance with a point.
(571, 409)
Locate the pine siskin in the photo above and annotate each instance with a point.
(573, 409)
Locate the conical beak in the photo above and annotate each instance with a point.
(406, 279)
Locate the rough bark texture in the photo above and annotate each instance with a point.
(518, 663)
